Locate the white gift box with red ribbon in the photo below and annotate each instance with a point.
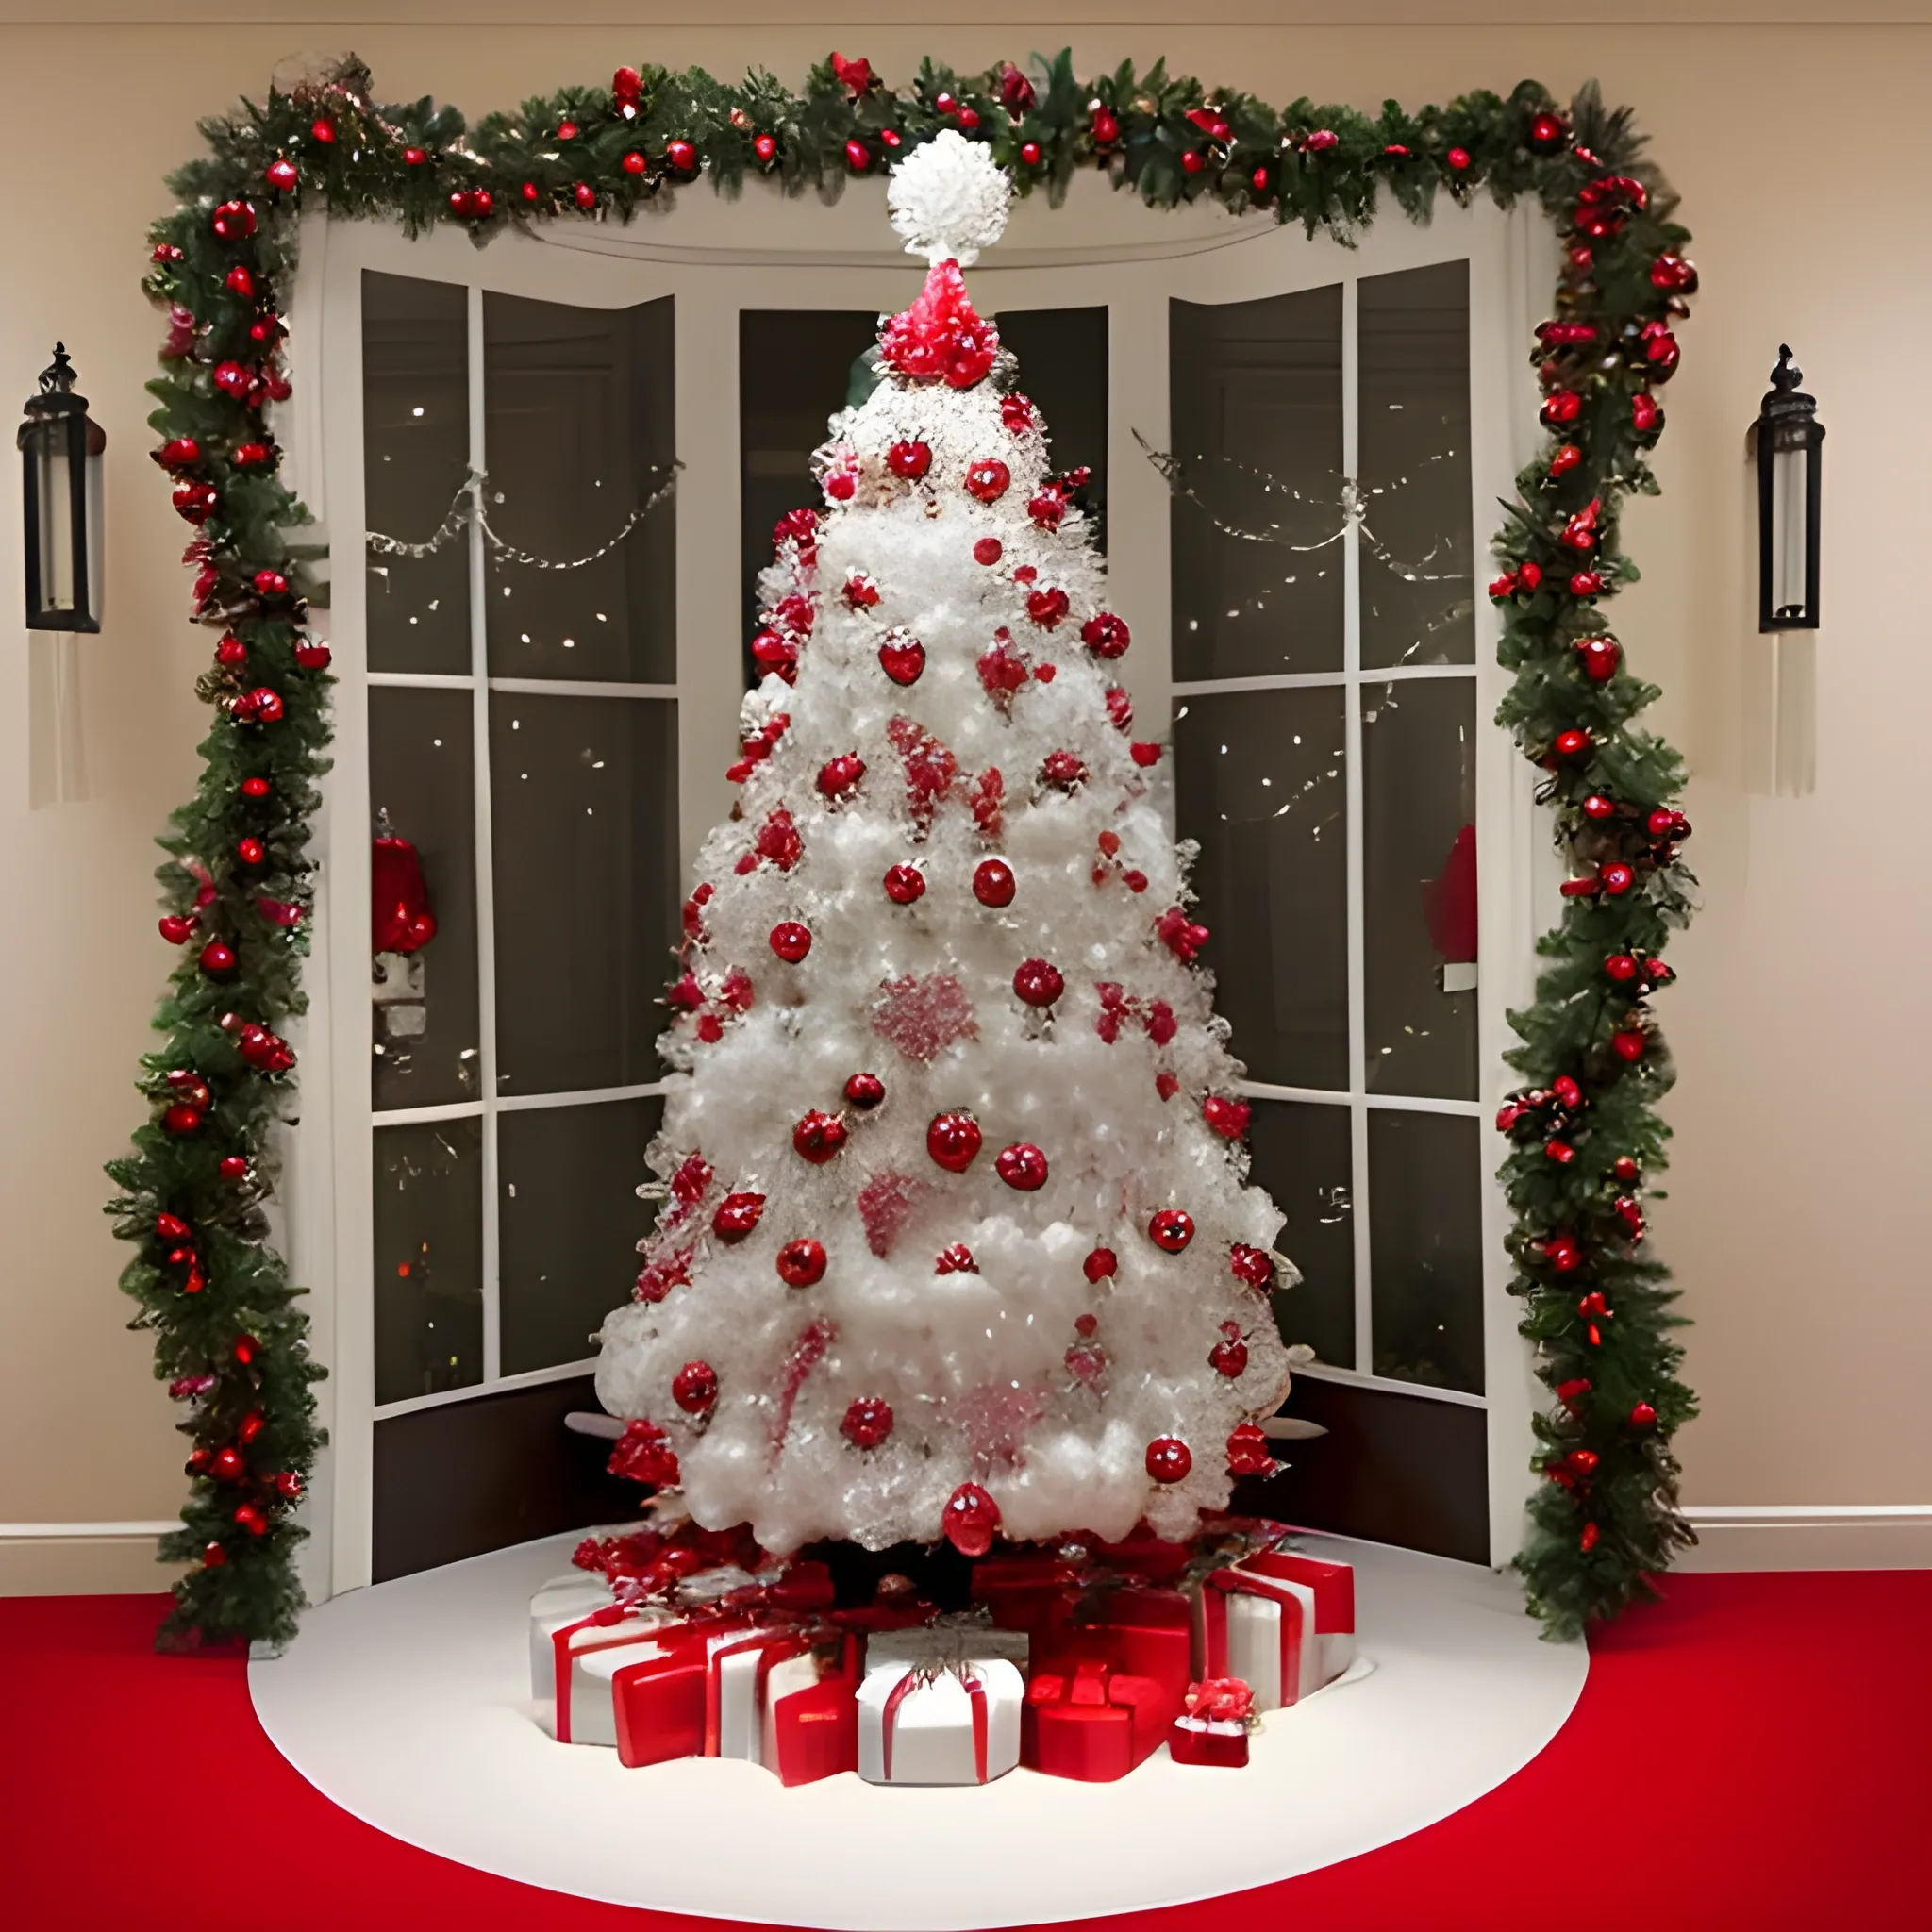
(562, 1600)
(588, 1652)
(927, 1718)
(1284, 1622)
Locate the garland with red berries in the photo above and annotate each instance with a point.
(230, 1338)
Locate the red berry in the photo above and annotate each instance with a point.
(1226, 1117)
(868, 1422)
(217, 957)
(952, 1140)
(988, 480)
(1628, 1046)
(1172, 1228)
(791, 940)
(800, 1263)
(992, 882)
(695, 1387)
(737, 1215)
(1567, 745)
(1229, 1359)
(865, 1090)
(1022, 1166)
(1254, 1266)
(1168, 1459)
(819, 1137)
(902, 661)
(1457, 158)
(839, 777)
(1038, 982)
(1100, 1265)
(764, 146)
(910, 460)
(988, 550)
(231, 652)
(250, 851)
(971, 1517)
(1191, 161)
(682, 156)
(957, 1259)
(1106, 636)
(857, 157)
(1643, 1416)
(1600, 657)
(1626, 1170)
(633, 164)
(904, 884)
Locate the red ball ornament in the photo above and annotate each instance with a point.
(1191, 161)
(765, 146)
(868, 1422)
(1038, 982)
(1172, 1228)
(1253, 1266)
(182, 1119)
(1616, 878)
(1643, 1416)
(910, 460)
(177, 928)
(414, 157)
(1568, 745)
(992, 882)
(857, 157)
(280, 174)
(1626, 1169)
(800, 1263)
(682, 156)
(312, 657)
(953, 1140)
(250, 1426)
(971, 1518)
(968, 120)
(1628, 1046)
(819, 1137)
(902, 661)
(1457, 158)
(791, 940)
(1168, 1459)
(633, 164)
(904, 884)
(1546, 134)
(217, 957)
(737, 1215)
(229, 1464)
(695, 1387)
(1600, 657)
(233, 1167)
(1106, 130)
(1100, 1265)
(1029, 153)
(839, 777)
(989, 550)
(1229, 1359)
(865, 1090)
(1022, 1166)
(1105, 635)
(1597, 807)
(988, 480)
(1587, 583)
(1645, 415)
(1258, 180)
(250, 851)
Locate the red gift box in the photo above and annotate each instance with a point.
(1142, 1633)
(812, 1731)
(659, 1703)
(1207, 1741)
(1311, 1619)
(1094, 1723)
(1023, 1593)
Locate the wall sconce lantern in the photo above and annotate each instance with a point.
(1791, 445)
(60, 449)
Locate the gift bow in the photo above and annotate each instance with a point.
(1220, 1699)
(918, 1678)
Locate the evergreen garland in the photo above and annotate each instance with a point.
(230, 1338)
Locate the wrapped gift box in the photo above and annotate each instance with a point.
(562, 1600)
(1092, 1723)
(927, 1717)
(1283, 1622)
(1023, 1592)
(589, 1653)
(1140, 1632)
(1208, 1740)
(809, 1704)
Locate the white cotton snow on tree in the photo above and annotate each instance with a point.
(958, 1239)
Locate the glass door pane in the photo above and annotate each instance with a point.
(1425, 1234)
(580, 431)
(1063, 367)
(415, 456)
(428, 1258)
(1302, 1156)
(1255, 399)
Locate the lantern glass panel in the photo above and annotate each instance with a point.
(1790, 560)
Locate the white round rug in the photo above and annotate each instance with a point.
(408, 1704)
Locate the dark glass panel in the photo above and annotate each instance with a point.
(1419, 886)
(1063, 367)
(428, 1258)
(1254, 400)
(569, 1223)
(1259, 781)
(422, 786)
(1426, 1236)
(415, 456)
(1417, 545)
(579, 432)
(585, 830)
(1301, 1156)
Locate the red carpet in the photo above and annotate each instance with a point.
(1753, 1753)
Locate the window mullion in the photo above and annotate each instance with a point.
(1352, 775)
(486, 871)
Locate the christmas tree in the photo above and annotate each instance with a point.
(958, 1239)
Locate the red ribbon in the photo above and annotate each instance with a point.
(918, 1678)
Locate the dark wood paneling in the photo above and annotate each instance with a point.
(1393, 1469)
(470, 1476)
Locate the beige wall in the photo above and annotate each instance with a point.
(1794, 1221)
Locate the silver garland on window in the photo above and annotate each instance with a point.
(470, 505)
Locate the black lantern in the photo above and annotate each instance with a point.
(60, 449)
(1790, 443)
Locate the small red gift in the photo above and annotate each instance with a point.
(1143, 1633)
(1212, 1728)
(1091, 1723)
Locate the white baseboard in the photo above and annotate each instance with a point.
(82, 1559)
(1808, 1536)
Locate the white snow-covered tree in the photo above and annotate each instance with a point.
(958, 1236)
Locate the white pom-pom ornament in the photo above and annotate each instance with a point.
(949, 198)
